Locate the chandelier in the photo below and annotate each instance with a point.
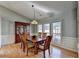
(34, 21)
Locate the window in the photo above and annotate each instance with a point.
(46, 28)
(40, 28)
(57, 32)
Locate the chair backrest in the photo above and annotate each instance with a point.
(34, 37)
(47, 42)
(23, 37)
(28, 35)
(44, 35)
(39, 34)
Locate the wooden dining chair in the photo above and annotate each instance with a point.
(24, 43)
(44, 35)
(46, 45)
(39, 34)
(34, 37)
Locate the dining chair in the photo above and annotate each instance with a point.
(39, 34)
(46, 45)
(28, 35)
(44, 35)
(34, 39)
(24, 43)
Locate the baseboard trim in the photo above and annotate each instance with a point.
(7, 45)
(64, 48)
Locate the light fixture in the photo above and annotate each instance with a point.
(34, 21)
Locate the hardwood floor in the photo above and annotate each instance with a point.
(14, 51)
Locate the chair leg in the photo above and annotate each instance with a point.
(49, 51)
(27, 51)
(23, 47)
(44, 53)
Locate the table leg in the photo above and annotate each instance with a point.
(36, 48)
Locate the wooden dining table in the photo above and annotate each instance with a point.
(36, 43)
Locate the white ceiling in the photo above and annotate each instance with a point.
(43, 9)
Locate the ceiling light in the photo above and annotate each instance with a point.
(39, 8)
(34, 21)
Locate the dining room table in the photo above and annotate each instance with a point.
(36, 43)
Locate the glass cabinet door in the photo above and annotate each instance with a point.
(21, 28)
